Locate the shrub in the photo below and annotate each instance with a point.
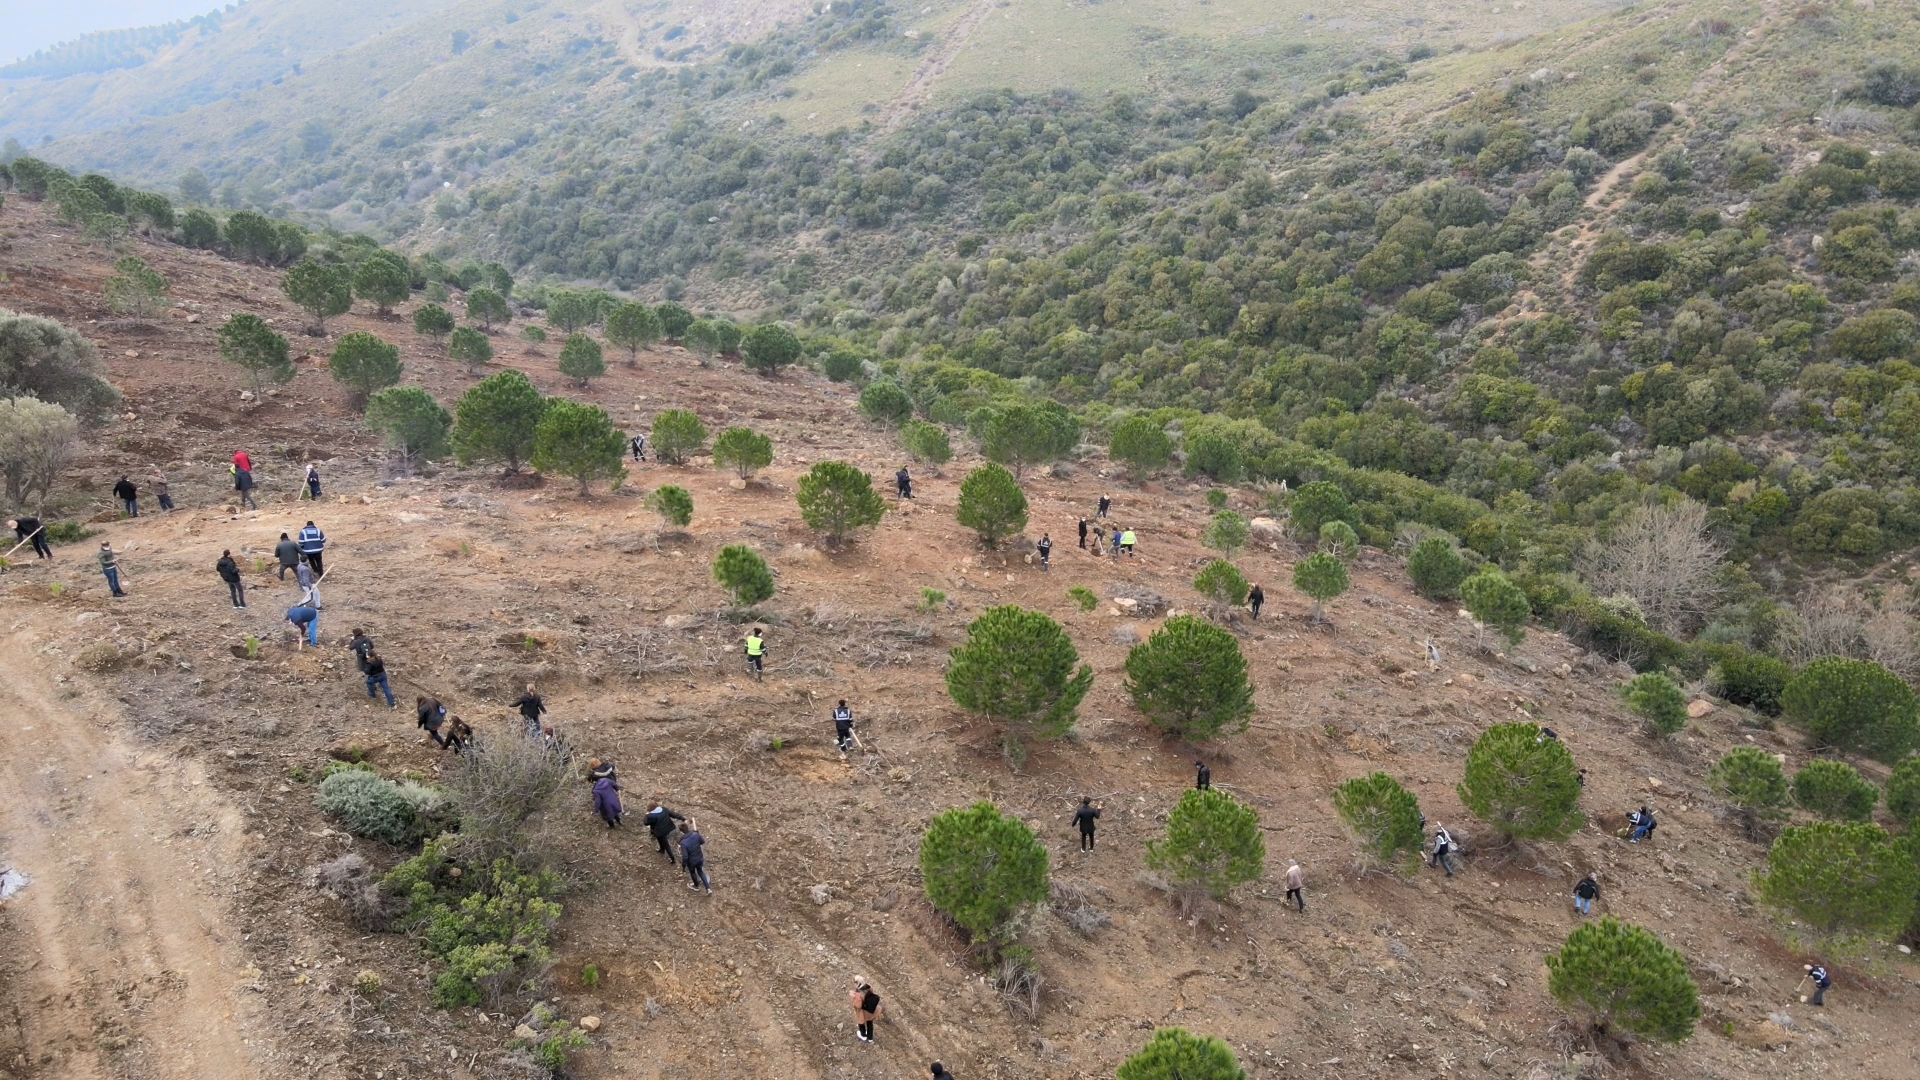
(992, 504)
(487, 307)
(1338, 539)
(1834, 790)
(433, 321)
(702, 338)
(581, 359)
(743, 450)
(498, 785)
(1839, 875)
(411, 422)
(983, 869)
(1026, 433)
(632, 327)
(534, 334)
(1659, 701)
(884, 402)
(835, 498)
(1522, 783)
(1017, 668)
(374, 808)
(249, 343)
(926, 442)
(363, 364)
(471, 347)
(1141, 445)
(769, 347)
(1226, 533)
(1215, 458)
(1617, 975)
(1314, 505)
(1083, 597)
(744, 573)
(1222, 583)
(1497, 602)
(1750, 678)
(1855, 705)
(579, 441)
(1903, 791)
(1385, 817)
(1190, 680)
(1178, 1054)
(672, 503)
(842, 365)
(488, 923)
(381, 278)
(495, 420)
(1212, 842)
(1752, 780)
(677, 435)
(930, 599)
(1322, 577)
(1436, 567)
(674, 319)
(135, 288)
(46, 360)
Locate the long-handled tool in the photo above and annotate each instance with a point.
(37, 532)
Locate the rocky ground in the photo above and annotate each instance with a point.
(173, 930)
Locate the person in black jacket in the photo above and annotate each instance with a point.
(29, 528)
(431, 715)
(1821, 981)
(660, 823)
(1202, 776)
(1084, 817)
(459, 734)
(1045, 548)
(128, 495)
(360, 645)
(693, 856)
(940, 1072)
(1083, 534)
(288, 553)
(1256, 596)
(843, 726)
(1584, 894)
(903, 483)
(530, 707)
(229, 572)
(375, 670)
(866, 1007)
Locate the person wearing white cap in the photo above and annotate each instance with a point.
(866, 1007)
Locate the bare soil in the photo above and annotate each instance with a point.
(172, 929)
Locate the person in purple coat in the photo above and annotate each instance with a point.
(606, 800)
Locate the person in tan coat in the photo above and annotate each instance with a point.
(866, 1008)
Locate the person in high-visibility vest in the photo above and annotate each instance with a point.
(1126, 542)
(756, 651)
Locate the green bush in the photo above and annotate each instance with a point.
(1750, 678)
(489, 924)
(1226, 533)
(926, 442)
(1753, 781)
(471, 347)
(1854, 705)
(743, 450)
(1385, 817)
(1436, 567)
(363, 364)
(433, 321)
(1212, 842)
(842, 365)
(632, 327)
(496, 418)
(1322, 577)
(744, 574)
(1140, 445)
(769, 347)
(1497, 602)
(1314, 505)
(374, 808)
(1841, 875)
(247, 342)
(1903, 791)
(411, 422)
(1190, 680)
(672, 503)
(1178, 1054)
(487, 307)
(321, 291)
(1215, 458)
(1083, 597)
(982, 869)
(1522, 783)
(1659, 701)
(1017, 668)
(581, 359)
(992, 504)
(836, 498)
(677, 435)
(1835, 790)
(1617, 975)
(674, 319)
(579, 441)
(884, 402)
(1222, 583)
(1338, 539)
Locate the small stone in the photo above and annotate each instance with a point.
(1654, 783)
(589, 1023)
(1699, 707)
(821, 894)
(525, 1032)
(737, 484)
(132, 354)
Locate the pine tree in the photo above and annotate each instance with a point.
(743, 450)
(1322, 577)
(926, 442)
(433, 321)
(677, 435)
(1213, 842)
(1338, 539)
(1494, 601)
(135, 288)
(982, 869)
(1903, 791)
(571, 310)
(884, 402)
(769, 347)
(580, 441)
(673, 504)
(1659, 701)
(674, 319)
(1752, 780)
(1385, 817)
(1619, 976)
(1522, 783)
(1841, 875)
(363, 364)
(471, 347)
(495, 420)
(246, 340)
(1140, 445)
(1017, 667)
(1224, 586)
(633, 327)
(382, 278)
(1436, 567)
(411, 422)
(1226, 533)
(1835, 790)
(835, 498)
(1314, 505)
(581, 359)
(1854, 705)
(487, 307)
(1178, 1054)
(1190, 680)
(1023, 434)
(992, 504)
(744, 574)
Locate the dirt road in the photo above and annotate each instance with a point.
(119, 961)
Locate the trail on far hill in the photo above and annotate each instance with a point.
(934, 66)
(119, 959)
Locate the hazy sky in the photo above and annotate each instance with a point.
(26, 25)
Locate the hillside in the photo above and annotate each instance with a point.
(167, 814)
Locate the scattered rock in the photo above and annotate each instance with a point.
(525, 1032)
(589, 1023)
(1564, 670)
(737, 484)
(821, 894)
(1654, 783)
(1699, 707)
(1126, 634)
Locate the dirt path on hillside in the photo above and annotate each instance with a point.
(119, 960)
(916, 91)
